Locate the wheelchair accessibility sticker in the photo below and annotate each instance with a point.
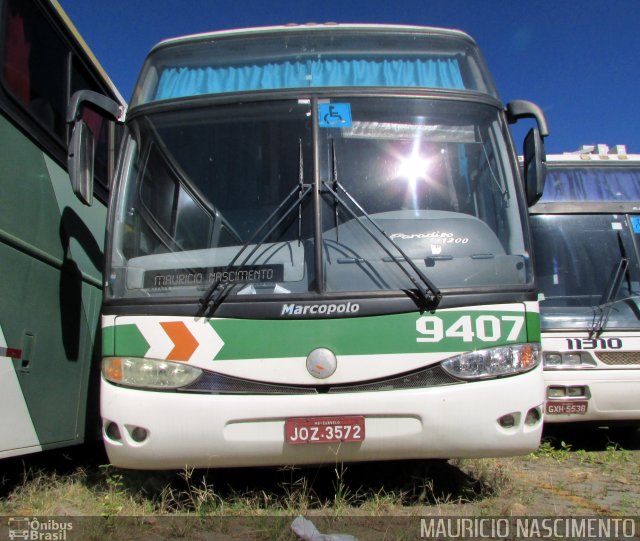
(334, 115)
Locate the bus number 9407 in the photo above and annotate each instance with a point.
(485, 328)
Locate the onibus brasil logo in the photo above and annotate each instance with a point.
(38, 529)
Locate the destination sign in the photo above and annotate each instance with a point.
(205, 276)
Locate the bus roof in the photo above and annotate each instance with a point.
(314, 27)
(594, 154)
(82, 44)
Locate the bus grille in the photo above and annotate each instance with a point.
(430, 377)
(619, 357)
(211, 382)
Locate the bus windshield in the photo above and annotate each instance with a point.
(224, 192)
(580, 256)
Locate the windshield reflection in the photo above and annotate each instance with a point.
(587, 271)
(203, 203)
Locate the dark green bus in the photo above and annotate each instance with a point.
(51, 244)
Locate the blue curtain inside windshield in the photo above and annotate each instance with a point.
(430, 73)
(592, 184)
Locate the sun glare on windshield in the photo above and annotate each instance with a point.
(414, 167)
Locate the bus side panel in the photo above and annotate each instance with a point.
(18, 433)
(47, 311)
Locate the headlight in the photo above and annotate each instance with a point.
(555, 360)
(494, 362)
(149, 373)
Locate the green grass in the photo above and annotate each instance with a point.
(271, 496)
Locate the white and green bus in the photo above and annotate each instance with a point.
(51, 245)
(318, 251)
(586, 231)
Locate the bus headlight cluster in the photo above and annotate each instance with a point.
(568, 360)
(148, 373)
(494, 362)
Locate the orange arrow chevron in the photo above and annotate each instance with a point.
(184, 341)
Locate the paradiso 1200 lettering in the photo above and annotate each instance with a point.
(437, 236)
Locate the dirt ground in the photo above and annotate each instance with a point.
(575, 472)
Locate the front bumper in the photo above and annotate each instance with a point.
(613, 395)
(206, 430)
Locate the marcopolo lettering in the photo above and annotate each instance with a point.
(319, 309)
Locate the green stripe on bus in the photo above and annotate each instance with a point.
(129, 341)
(533, 327)
(378, 335)
(108, 341)
(445, 331)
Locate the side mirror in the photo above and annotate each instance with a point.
(534, 166)
(518, 109)
(80, 159)
(80, 154)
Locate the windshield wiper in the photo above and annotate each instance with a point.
(216, 291)
(603, 310)
(427, 291)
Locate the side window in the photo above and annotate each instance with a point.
(41, 70)
(184, 220)
(98, 125)
(35, 65)
(158, 190)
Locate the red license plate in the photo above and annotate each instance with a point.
(324, 429)
(572, 406)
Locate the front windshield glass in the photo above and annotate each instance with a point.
(577, 257)
(226, 193)
(433, 175)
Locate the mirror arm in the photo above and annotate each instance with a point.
(111, 109)
(518, 109)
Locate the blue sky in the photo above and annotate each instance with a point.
(577, 59)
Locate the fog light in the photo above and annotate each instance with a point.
(556, 392)
(576, 391)
(533, 417)
(112, 431)
(139, 434)
(507, 421)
